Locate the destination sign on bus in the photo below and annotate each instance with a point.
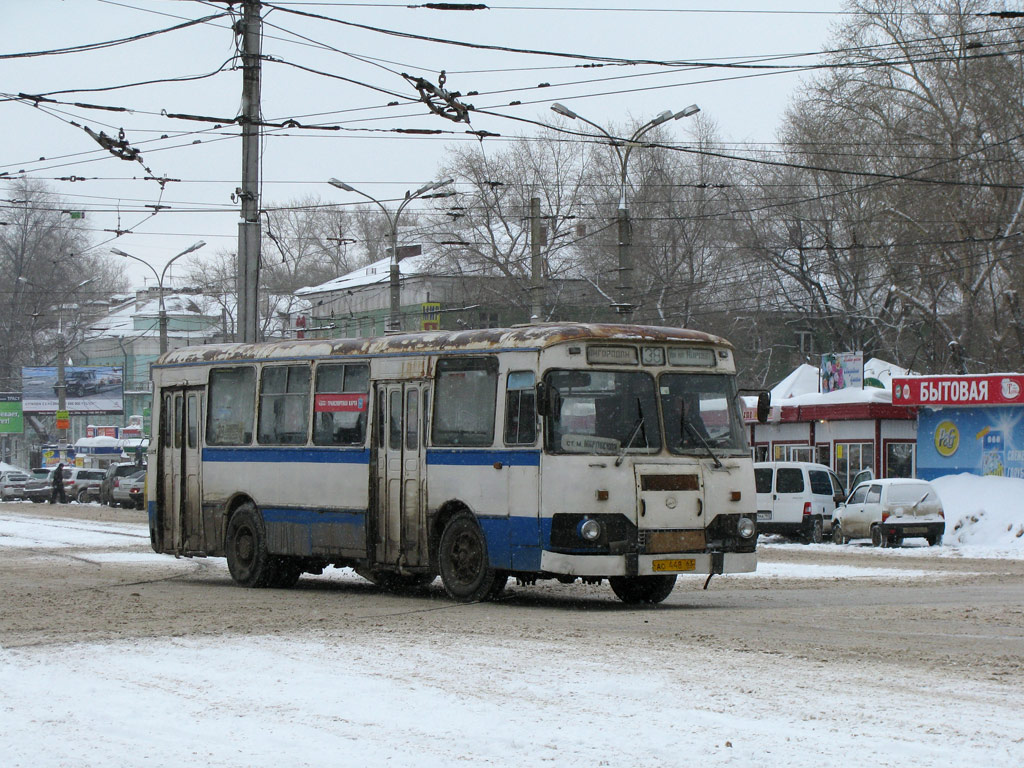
(339, 403)
(688, 356)
(612, 355)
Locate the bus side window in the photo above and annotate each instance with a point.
(284, 405)
(340, 404)
(231, 406)
(165, 421)
(412, 420)
(465, 394)
(193, 420)
(179, 425)
(520, 409)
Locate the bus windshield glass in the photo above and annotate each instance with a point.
(604, 412)
(701, 408)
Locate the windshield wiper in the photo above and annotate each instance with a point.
(707, 447)
(633, 433)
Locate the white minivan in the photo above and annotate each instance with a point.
(796, 498)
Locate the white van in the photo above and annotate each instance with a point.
(796, 498)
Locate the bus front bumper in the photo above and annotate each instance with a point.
(648, 565)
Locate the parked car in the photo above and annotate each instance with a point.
(796, 498)
(82, 484)
(115, 472)
(130, 491)
(40, 485)
(890, 511)
(12, 485)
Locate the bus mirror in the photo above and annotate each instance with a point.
(764, 406)
(549, 401)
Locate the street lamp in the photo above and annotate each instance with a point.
(622, 148)
(160, 284)
(395, 304)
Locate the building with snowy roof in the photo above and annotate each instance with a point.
(435, 297)
(848, 430)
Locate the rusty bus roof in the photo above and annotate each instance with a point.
(535, 336)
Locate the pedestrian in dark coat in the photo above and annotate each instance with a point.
(57, 494)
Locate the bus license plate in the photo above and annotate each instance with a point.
(674, 565)
(764, 516)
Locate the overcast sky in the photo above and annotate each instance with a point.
(357, 80)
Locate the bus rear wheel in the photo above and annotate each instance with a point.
(462, 561)
(642, 589)
(249, 562)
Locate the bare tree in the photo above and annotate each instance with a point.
(486, 232)
(44, 258)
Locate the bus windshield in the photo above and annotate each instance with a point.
(603, 412)
(701, 408)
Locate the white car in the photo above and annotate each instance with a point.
(12, 484)
(889, 511)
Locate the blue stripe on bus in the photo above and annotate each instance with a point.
(465, 457)
(515, 543)
(288, 455)
(308, 516)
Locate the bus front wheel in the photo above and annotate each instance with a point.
(249, 562)
(462, 561)
(642, 589)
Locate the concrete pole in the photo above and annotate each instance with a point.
(394, 278)
(249, 233)
(62, 387)
(625, 305)
(536, 266)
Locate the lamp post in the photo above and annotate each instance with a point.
(623, 147)
(160, 284)
(395, 303)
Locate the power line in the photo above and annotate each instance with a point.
(110, 43)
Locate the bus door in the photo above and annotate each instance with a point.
(401, 520)
(178, 498)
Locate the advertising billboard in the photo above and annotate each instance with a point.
(12, 421)
(841, 370)
(981, 441)
(88, 389)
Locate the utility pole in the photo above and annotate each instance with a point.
(536, 267)
(249, 29)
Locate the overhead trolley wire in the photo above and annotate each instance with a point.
(111, 43)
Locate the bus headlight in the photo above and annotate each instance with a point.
(590, 530)
(745, 527)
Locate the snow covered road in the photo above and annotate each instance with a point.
(113, 656)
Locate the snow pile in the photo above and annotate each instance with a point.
(983, 512)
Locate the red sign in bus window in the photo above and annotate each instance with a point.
(339, 403)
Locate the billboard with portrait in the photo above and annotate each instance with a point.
(841, 370)
(88, 389)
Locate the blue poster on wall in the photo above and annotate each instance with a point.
(981, 441)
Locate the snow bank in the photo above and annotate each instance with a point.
(983, 512)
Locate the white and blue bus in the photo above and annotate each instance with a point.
(566, 451)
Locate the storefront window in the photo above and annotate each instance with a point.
(899, 460)
(851, 458)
